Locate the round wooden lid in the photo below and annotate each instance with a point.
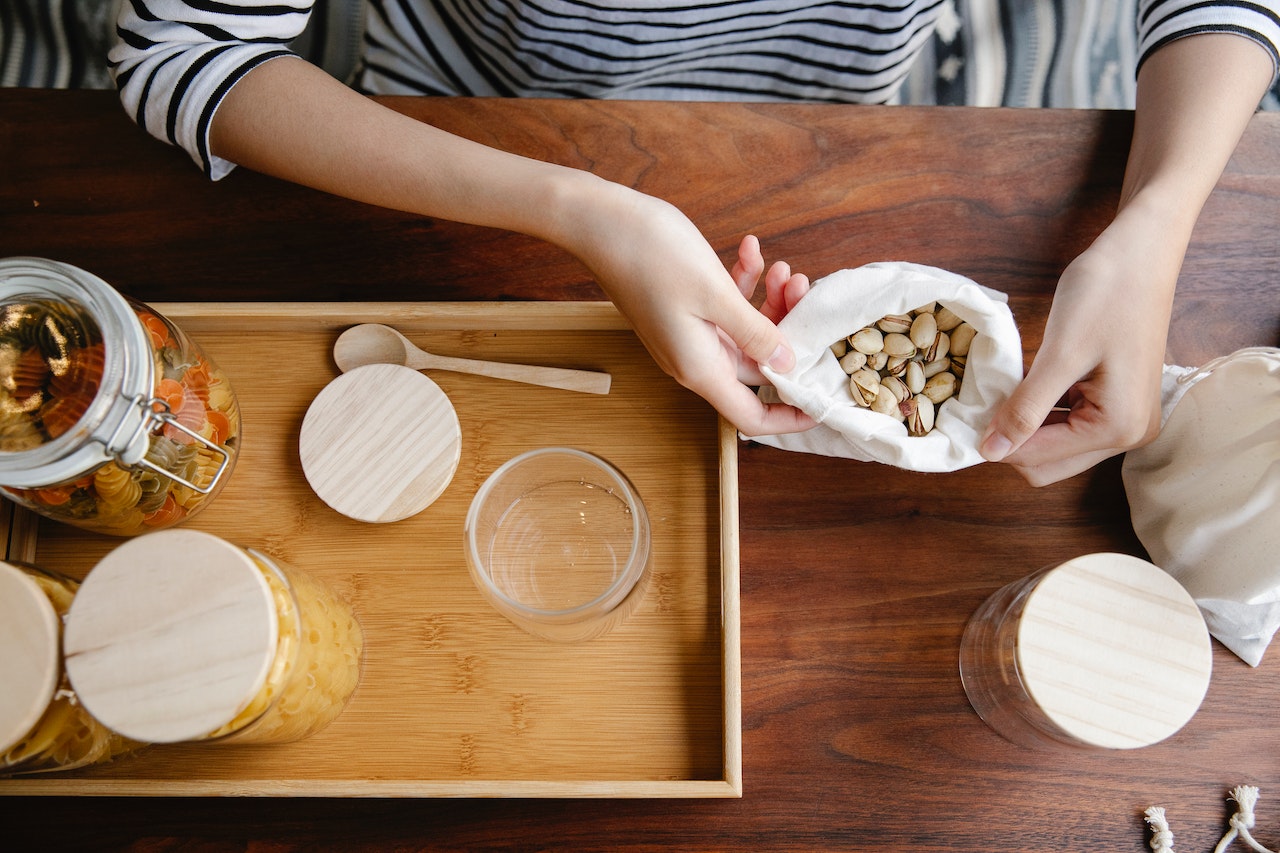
(1114, 651)
(380, 443)
(170, 636)
(28, 654)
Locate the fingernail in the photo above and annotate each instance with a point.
(996, 447)
(782, 359)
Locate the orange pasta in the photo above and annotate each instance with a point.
(54, 359)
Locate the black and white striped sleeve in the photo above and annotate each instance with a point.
(1163, 21)
(174, 60)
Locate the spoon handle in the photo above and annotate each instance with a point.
(586, 381)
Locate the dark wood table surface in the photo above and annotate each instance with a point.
(857, 579)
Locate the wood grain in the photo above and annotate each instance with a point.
(380, 443)
(454, 699)
(857, 579)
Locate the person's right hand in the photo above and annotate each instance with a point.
(692, 315)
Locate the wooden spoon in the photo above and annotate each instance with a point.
(374, 343)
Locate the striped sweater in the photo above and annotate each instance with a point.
(174, 60)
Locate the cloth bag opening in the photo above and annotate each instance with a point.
(844, 302)
(1204, 496)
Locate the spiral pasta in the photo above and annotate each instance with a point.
(51, 366)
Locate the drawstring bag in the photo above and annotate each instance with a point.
(1204, 497)
(846, 301)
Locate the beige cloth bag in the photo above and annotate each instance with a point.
(845, 301)
(1205, 495)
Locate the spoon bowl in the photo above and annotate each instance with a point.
(374, 343)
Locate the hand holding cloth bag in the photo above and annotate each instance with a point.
(1204, 497)
(846, 301)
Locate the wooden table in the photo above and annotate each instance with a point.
(857, 579)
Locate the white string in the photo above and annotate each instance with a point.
(1246, 796)
(1161, 837)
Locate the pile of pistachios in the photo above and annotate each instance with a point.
(907, 365)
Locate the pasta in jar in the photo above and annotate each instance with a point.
(111, 418)
(63, 735)
(317, 662)
(235, 647)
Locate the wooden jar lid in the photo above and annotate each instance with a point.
(28, 654)
(380, 443)
(1114, 651)
(170, 636)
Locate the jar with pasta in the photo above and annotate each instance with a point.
(111, 418)
(42, 726)
(180, 636)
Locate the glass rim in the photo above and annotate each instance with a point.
(637, 557)
(128, 373)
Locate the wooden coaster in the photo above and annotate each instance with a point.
(380, 443)
(29, 666)
(1114, 651)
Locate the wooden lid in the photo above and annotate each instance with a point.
(1114, 651)
(170, 636)
(28, 654)
(380, 443)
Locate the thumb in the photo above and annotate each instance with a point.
(1020, 416)
(756, 335)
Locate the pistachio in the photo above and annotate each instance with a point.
(867, 340)
(906, 365)
(852, 361)
(920, 421)
(886, 404)
(961, 337)
(898, 344)
(939, 348)
(915, 377)
(864, 385)
(933, 368)
(939, 387)
(946, 319)
(899, 323)
(895, 386)
(924, 330)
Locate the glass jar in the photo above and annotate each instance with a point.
(234, 647)
(1103, 651)
(111, 418)
(42, 726)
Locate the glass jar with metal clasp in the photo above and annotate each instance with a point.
(111, 418)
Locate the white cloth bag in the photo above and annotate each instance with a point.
(1204, 497)
(844, 302)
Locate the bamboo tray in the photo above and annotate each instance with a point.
(453, 699)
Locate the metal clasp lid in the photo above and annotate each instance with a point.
(159, 415)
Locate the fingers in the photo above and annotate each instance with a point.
(1107, 416)
(1041, 469)
(741, 407)
(1022, 414)
(782, 291)
(750, 264)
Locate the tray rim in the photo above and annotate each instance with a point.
(20, 530)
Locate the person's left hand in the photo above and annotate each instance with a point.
(1101, 357)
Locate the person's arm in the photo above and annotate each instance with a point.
(289, 119)
(1104, 342)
